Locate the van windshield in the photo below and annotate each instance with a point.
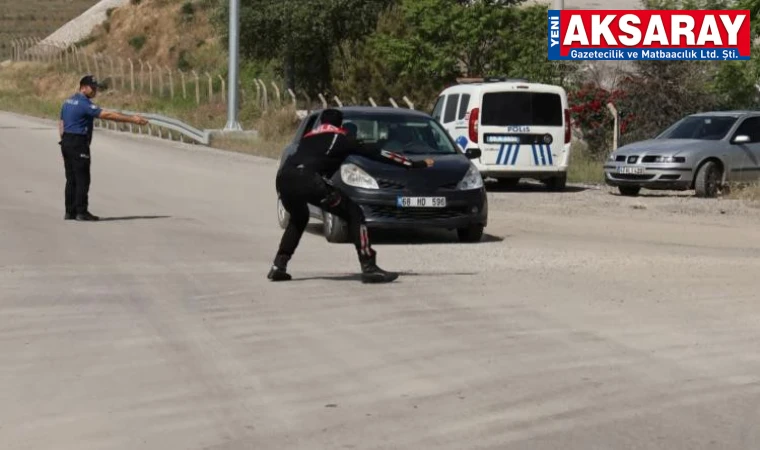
(521, 108)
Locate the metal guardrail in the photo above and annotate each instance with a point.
(160, 123)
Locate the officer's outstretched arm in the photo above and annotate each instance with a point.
(388, 157)
(118, 117)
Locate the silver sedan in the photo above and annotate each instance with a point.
(702, 151)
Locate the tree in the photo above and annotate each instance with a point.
(302, 34)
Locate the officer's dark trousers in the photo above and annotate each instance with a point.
(76, 161)
(298, 188)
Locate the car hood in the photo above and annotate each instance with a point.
(447, 170)
(666, 146)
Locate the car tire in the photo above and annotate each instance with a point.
(283, 217)
(557, 184)
(473, 233)
(629, 191)
(335, 228)
(707, 183)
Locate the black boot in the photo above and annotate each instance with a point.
(371, 273)
(278, 272)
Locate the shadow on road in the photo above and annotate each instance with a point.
(358, 277)
(414, 236)
(531, 188)
(113, 219)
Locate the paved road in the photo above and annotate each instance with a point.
(579, 324)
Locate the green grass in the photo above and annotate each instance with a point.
(583, 168)
(35, 18)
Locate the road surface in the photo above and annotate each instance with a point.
(584, 321)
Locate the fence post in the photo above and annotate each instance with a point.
(142, 77)
(372, 102)
(337, 100)
(184, 84)
(308, 99)
(259, 99)
(616, 129)
(131, 74)
(355, 102)
(266, 94)
(210, 87)
(224, 91)
(13, 50)
(323, 99)
(122, 75)
(409, 102)
(171, 82)
(160, 81)
(393, 102)
(293, 96)
(150, 78)
(197, 87)
(277, 93)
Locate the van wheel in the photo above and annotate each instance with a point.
(557, 184)
(629, 191)
(283, 217)
(335, 229)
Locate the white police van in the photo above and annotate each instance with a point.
(522, 129)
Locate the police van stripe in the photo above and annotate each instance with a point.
(543, 155)
(535, 155)
(506, 157)
(549, 155)
(514, 156)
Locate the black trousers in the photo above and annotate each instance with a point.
(75, 150)
(298, 189)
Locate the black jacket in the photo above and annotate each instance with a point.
(324, 149)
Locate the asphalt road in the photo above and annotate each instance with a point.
(584, 321)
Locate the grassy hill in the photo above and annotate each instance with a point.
(35, 18)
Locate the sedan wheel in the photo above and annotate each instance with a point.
(707, 184)
(335, 228)
(282, 215)
(629, 191)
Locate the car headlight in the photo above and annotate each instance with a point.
(669, 159)
(471, 180)
(353, 175)
(612, 157)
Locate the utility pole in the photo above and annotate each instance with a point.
(234, 68)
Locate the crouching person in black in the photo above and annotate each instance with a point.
(301, 181)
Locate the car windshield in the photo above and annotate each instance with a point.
(400, 133)
(711, 128)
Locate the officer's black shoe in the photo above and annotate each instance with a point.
(371, 273)
(278, 274)
(69, 216)
(87, 217)
(278, 271)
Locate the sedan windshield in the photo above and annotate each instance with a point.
(711, 128)
(400, 133)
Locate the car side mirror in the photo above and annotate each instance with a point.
(742, 139)
(472, 153)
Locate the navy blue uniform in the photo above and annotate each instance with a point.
(78, 114)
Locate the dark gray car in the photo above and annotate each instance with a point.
(702, 152)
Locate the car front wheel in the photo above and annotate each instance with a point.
(335, 228)
(282, 215)
(629, 191)
(473, 233)
(707, 183)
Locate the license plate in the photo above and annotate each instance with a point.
(630, 170)
(421, 202)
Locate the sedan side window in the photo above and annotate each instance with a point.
(750, 127)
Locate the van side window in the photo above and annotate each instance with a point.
(438, 109)
(451, 108)
(463, 105)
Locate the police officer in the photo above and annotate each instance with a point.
(78, 114)
(301, 181)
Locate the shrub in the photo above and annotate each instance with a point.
(137, 42)
(187, 12)
(589, 112)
